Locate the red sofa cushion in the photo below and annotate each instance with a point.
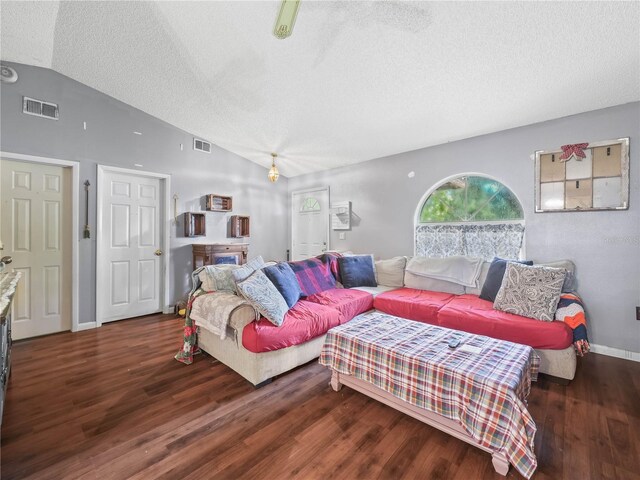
(420, 305)
(349, 302)
(305, 321)
(475, 315)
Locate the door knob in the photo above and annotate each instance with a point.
(157, 253)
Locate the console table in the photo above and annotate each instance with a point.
(216, 253)
(8, 284)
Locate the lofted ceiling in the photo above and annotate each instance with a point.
(357, 80)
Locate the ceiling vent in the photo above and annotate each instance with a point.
(31, 106)
(201, 145)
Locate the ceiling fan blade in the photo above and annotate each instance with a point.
(286, 18)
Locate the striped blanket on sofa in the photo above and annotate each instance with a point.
(571, 311)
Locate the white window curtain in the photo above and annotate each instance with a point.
(482, 241)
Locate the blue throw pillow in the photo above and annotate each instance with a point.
(285, 281)
(494, 277)
(357, 271)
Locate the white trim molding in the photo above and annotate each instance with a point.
(165, 180)
(615, 352)
(75, 226)
(169, 309)
(86, 326)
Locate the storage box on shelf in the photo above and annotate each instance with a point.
(239, 226)
(194, 224)
(219, 203)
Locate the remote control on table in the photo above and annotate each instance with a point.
(454, 342)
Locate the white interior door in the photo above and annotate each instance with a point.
(130, 246)
(36, 230)
(309, 223)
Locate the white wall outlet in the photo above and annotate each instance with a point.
(341, 235)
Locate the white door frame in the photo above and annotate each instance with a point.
(306, 190)
(74, 236)
(165, 181)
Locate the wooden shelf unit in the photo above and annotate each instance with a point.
(239, 226)
(195, 224)
(218, 203)
(216, 253)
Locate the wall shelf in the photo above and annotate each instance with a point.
(218, 203)
(194, 225)
(238, 226)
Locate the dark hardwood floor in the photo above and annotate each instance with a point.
(112, 403)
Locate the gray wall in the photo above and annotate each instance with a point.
(604, 245)
(109, 140)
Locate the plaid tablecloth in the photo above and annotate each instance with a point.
(484, 392)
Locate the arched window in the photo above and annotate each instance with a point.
(471, 215)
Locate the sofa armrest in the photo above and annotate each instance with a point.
(241, 317)
(195, 281)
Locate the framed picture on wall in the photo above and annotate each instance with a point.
(583, 177)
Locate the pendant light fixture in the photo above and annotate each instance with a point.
(273, 173)
(286, 18)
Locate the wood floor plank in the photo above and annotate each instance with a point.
(112, 403)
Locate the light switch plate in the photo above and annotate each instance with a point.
(341, 235)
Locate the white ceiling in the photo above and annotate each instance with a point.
(355, 81)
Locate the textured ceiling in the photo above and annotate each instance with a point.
(355, 81)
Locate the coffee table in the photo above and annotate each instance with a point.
(476, 392)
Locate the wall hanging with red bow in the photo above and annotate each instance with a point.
(583, 176)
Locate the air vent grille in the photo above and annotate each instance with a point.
(201, 145)
(31, 106)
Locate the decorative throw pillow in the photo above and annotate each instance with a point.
(264, 296)
(239, 274)
(313, 275)
(494, 277)
(530, 291)
(357, 271)
(218, 278)
(390, 273)
(285, 281)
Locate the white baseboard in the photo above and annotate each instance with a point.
(86, 326)
(615, 352)
(90, 325)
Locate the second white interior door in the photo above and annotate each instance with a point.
(130, 246)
